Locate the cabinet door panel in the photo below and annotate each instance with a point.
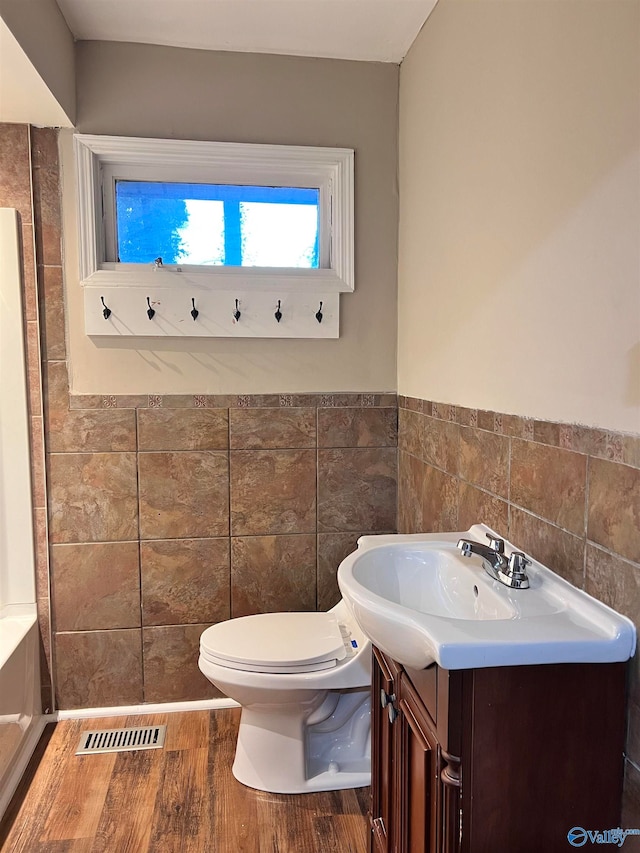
(418, 777)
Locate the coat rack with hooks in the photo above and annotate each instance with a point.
(174, 312)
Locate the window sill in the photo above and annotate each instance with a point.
(217, 278)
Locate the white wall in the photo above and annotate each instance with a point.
(519, 275)
(25, 98)
(42, 33)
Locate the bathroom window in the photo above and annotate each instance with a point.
(214, 224)
(222, 215)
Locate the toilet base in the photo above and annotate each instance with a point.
(279, 752)
(327, 781)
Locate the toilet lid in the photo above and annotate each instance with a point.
(276, 642)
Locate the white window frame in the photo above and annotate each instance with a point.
(102, 159)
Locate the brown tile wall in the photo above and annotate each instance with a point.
(163, 515)
(166, 518)
(568, 495)
(24, 173)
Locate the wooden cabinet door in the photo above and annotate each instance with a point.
(419, 776)
(384, 808)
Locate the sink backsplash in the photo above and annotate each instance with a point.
(568, 495)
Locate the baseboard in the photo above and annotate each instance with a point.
(158, 708)
(20, 762)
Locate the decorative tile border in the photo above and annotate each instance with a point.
(231, 401)
(592, 441)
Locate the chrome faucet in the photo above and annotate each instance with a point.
(511, 572)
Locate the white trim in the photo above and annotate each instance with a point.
(90, 242)
(227, 279)
(331, 169)
(157, 708)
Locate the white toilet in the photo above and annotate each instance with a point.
(303, 681)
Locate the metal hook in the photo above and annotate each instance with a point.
(319, 314)
(106, 313)
(236, 313)
(194, 311)
(150, 311)
(278, 314)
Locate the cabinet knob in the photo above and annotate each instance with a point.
(386, 698)
(393, 713)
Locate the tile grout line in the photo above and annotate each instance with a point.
(587, 484)
(139, 543)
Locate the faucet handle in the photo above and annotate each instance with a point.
(495, 542)
(518, 563)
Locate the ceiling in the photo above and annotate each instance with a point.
(367, 30)
(373, 30)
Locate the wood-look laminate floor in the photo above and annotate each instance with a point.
(180, 799)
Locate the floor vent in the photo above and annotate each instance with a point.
(121, 740)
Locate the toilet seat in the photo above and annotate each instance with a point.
(277, 642)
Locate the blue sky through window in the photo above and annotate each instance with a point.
(217, 224)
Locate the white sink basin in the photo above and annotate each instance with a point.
(419, 600)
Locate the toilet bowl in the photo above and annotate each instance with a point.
(303, 682)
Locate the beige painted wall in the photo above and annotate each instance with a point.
(43, 34)
(141, 90)
(519, 242)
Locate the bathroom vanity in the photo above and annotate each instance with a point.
(494, 760)
(498, 705)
